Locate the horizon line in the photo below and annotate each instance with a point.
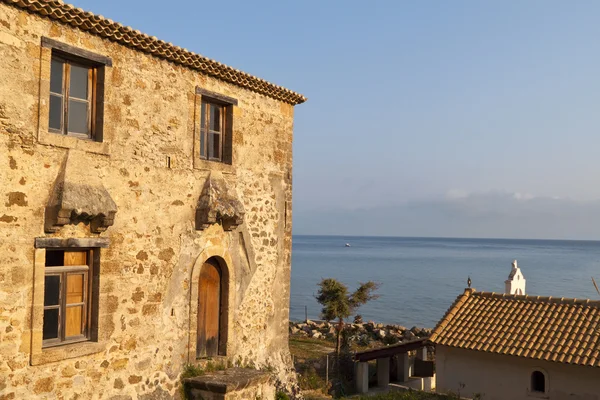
(447, 237)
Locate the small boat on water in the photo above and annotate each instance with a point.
(347, 244)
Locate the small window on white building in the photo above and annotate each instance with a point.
(538, 382)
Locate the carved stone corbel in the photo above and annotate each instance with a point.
(218, 205)
(78, 195)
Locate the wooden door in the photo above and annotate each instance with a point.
(209, 310)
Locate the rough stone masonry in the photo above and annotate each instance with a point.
(149, 211)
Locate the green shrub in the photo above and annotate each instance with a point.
(281, 396)
(310, 380)
(190, 371)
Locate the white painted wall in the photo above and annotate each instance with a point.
(499, 377)
(515, 284)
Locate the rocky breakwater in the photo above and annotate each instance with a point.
(363, 334)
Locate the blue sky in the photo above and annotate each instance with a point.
(416, 103)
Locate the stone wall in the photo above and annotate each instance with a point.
(148, 269)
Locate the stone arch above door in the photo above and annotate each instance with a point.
(225, 263)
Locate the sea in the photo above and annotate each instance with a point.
(421, 277)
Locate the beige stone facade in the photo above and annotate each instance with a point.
(149, 253)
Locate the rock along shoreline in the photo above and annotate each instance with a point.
(360, 333)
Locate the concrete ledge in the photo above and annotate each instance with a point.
(228, 380)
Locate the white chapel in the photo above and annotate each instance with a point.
(515, 284)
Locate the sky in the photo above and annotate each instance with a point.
(424, 118)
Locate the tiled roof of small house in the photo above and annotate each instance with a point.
(106, 28)
(541, 328)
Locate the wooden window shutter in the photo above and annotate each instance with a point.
(228, 136)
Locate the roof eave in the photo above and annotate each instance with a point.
(124, 35)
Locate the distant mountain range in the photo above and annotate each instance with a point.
(489, 215)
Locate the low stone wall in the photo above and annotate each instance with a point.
(231, 384)
(362, 333)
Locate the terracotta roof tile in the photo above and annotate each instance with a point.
(542, 328)
(106, 28)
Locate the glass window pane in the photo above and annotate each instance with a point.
(73, 321)
(79, 82)
(215, 146)
(50, 324)
(51, 290)
(55, 258)
(215, 118)
(56, 112)
(56, 76)
(78, 117)
(75, 288)
(203, 130)
(202, 143)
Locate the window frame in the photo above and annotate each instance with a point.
(64, 272)
(92, 83)
(96, 63)
(207, 134)
(204, 135)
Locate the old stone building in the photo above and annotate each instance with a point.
(145, 210)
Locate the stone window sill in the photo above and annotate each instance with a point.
(70, 142)
(58, 353)
(202, 164)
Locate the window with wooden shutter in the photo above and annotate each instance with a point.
(215, 127)
(72, 92)
(66, 296)
(76, 91)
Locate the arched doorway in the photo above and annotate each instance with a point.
(212, 310)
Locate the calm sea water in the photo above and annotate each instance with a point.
(421, 277)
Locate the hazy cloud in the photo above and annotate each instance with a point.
(462, 214)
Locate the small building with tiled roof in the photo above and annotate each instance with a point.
(513, 347)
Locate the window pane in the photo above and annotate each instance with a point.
(78, 117)
(56, 112)
(73, 321)
(203, 115)
(51, 290)
(203, 143)
(50, 324)
(55, 258)
(215, 118)
(215, 147)
(56, 76)
(203, 130)
(79, 82)
(75, 288)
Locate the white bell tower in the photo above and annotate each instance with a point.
(515, 284)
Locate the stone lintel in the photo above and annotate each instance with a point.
(44, 242)
(216, 96)
(229, 380)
